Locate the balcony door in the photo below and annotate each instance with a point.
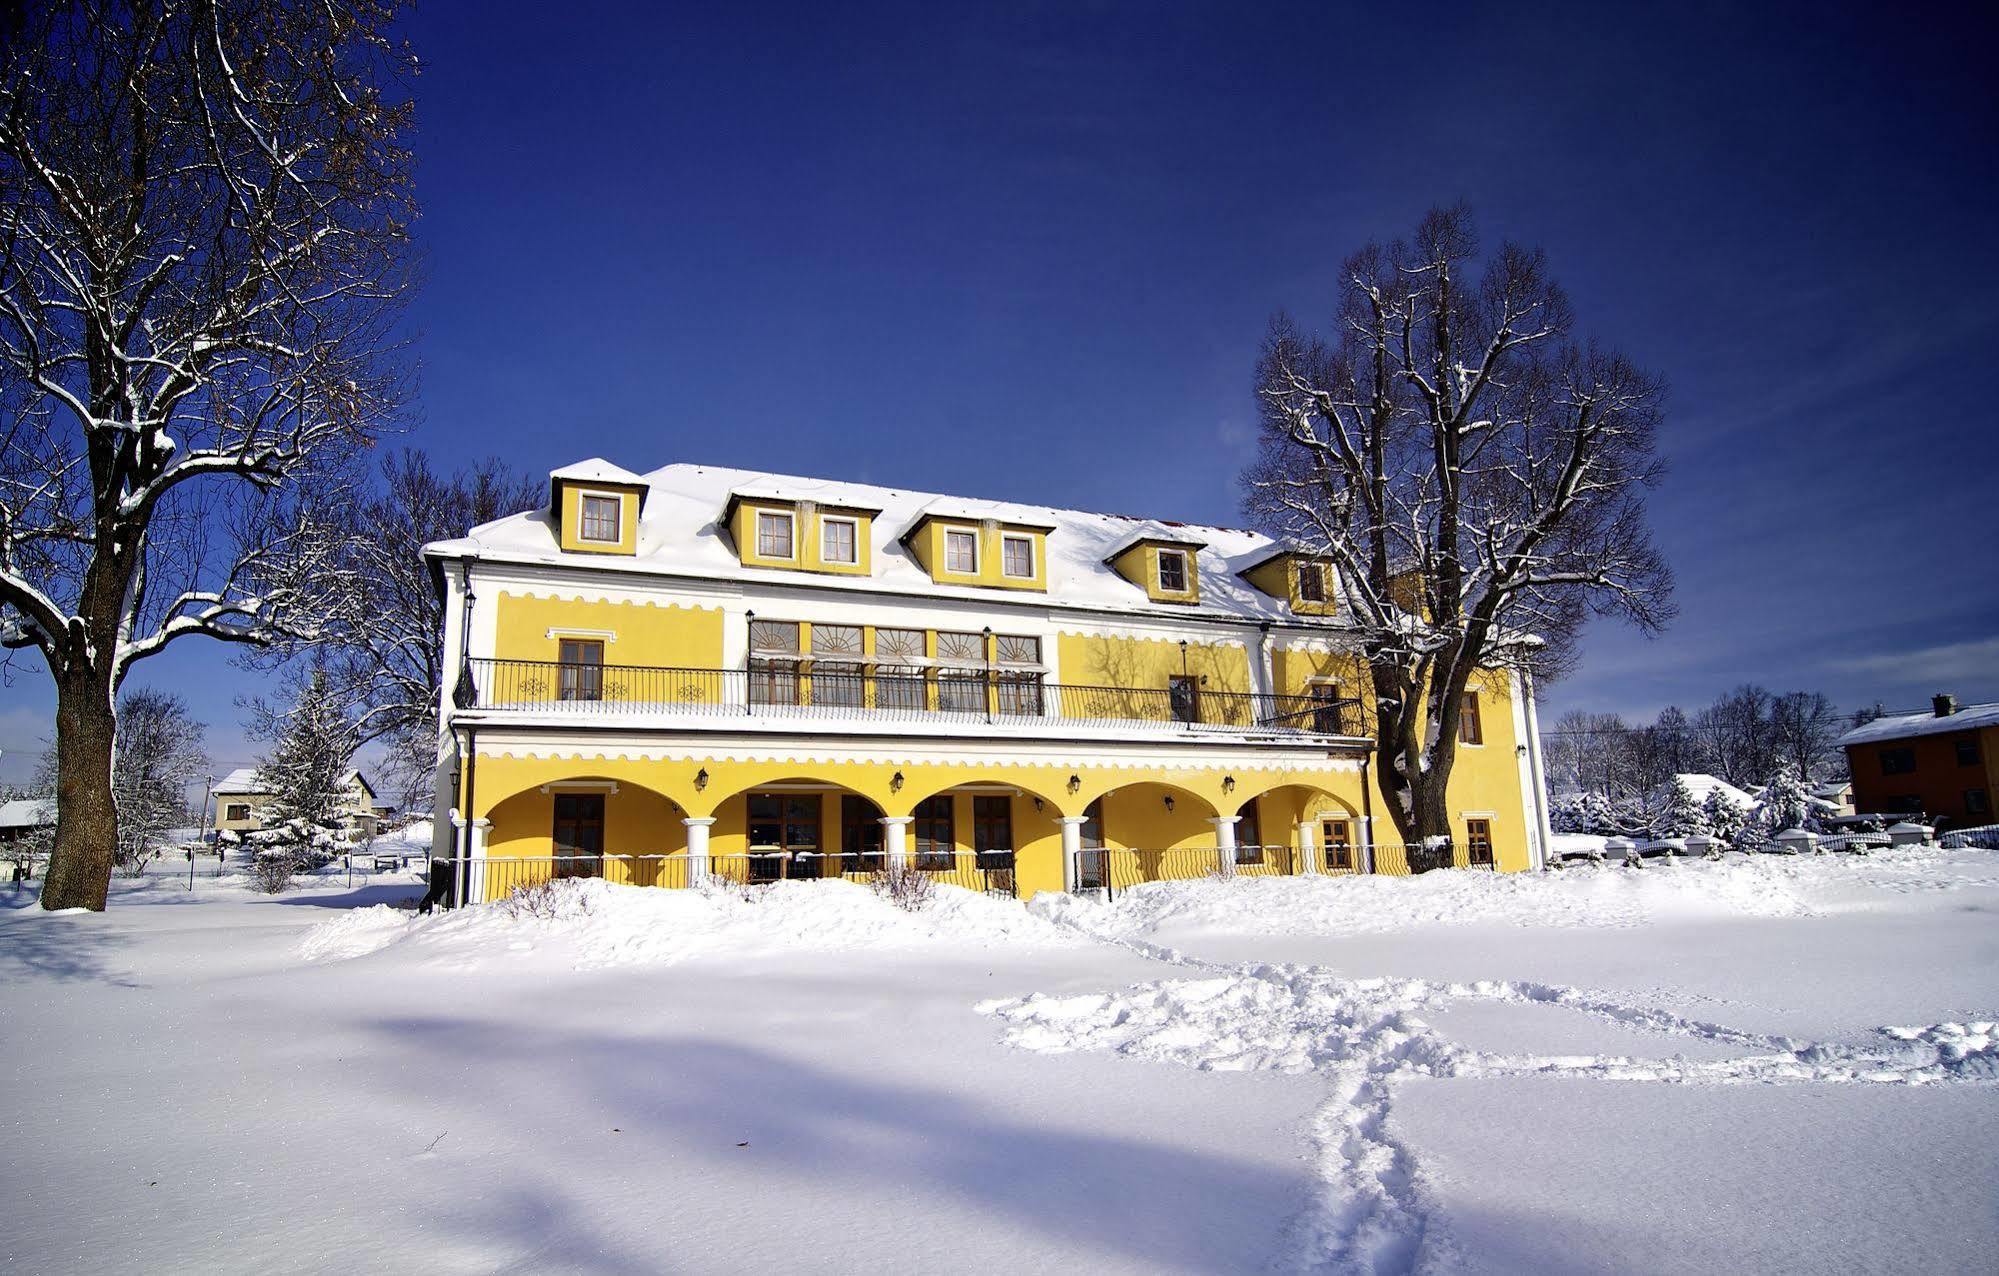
(1184, 695)
(579, 835)
(582, 669)
(1090, 874)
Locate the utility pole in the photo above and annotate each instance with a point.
(201, 832)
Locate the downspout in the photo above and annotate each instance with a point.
(1543, 833)
(1367, 806)
(463, 876)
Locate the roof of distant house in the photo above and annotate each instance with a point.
(247, 780)
(1902, 726)
(1700, 784)
(27, 813)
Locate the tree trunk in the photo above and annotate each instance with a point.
(79, 874)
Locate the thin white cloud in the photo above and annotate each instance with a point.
(1974, 663)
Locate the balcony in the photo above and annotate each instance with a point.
(787, 693)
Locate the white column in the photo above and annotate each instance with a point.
(1072, 847)
(697, 847)
(1364, 858)
(895, 838)
(1308, 841)
(476, 876)
(1225, 840)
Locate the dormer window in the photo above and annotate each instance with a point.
(839, 541)
(601, 520)
(961, 551)
(1173, 571)
(1311, 583)
(1017, 557)
(774, 534)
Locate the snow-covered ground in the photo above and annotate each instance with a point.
(1760, 1064)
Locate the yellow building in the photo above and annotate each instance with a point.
(703, 671)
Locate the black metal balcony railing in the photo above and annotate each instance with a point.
(780, 689)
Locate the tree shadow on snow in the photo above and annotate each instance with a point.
(35, 945)
(896, 1147)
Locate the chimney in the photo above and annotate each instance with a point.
(1945, 704)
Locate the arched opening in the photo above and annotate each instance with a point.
(800, 827)
(1294, 815)
(581, 826)
(1149, 831)
(988, 834)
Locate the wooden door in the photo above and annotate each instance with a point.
(579, 835)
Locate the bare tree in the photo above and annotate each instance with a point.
(1804, 731)
(1474, 477)
(383, 656)
(159, 756)
(1734, 732)
(204, 208)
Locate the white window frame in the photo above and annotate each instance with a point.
(1186, 570)
(791, 520)
(1033, 559)
(854, 523)
(972, 532)
(583, 497)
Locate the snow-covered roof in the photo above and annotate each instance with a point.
(1901, 726)
(27, 813)
(245, 779)
(1700, 784)
(680, 535)
(596, 470)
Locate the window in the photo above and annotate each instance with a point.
(961, 552)
(1090, 865)
(1328, 714)
(1478, 843)
(836, 666)
(961, 689)
(581, 670)
(1967, 751)
(1019, 687)
(839, 541)
(601, 516)
(1898, 761)
(1183, 696)
(1975, 802)
(1172, 571)
(1311, 583)
(773, 534)
(236, 811)
(774, 662)
(1017, 557)
(579, 835)
(936, 844)
(1248, 835)
(784, 835)
(899, 669)
(860, 835)
(1904, 804)
(992, 831)
(1337, 839)
(1471, 729)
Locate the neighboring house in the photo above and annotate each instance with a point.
(23, 816)
(243, 802)
(1700, 784)
(702, 669)
(1943, 764)
(1837, 795)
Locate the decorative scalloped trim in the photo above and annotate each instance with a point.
(558, 753)
(568, 594)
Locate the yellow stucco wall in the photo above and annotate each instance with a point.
(1111, 660)
(644, 633)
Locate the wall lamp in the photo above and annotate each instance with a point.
(1037, 804)
(1228, 784)
(701, 778)
(1075, 783)
(895, 783)
(1169, 801)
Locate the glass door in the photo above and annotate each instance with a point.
(579, 835)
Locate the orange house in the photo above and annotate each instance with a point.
(1943, 764)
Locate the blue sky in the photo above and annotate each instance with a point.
(1030, 255)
